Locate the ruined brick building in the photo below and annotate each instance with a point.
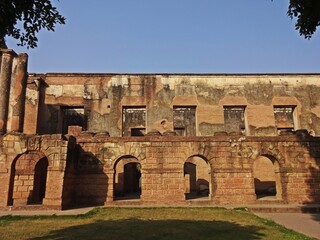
(71, 139)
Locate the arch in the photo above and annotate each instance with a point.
(267, 178)
(24, 178)
(197, 177)
(127, 178)
(126, 158)
(272, 152)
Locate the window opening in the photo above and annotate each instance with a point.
(133, 121)
(184, 120)
(284, 118)
(73, 116)
(234, 119)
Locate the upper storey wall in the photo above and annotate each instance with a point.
(257, 105)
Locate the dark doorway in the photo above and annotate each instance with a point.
(40, 181)
(190, 171)
(11, 183)
(127, 180)
(132, 177)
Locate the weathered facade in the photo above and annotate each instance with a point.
(104, 139)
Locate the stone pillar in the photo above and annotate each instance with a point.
(0, 57)
(5, 168)
(56, 151)
(110, 190)
(19, 93)
(5, 78)
(32, 105)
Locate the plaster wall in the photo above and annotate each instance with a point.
(103, 96)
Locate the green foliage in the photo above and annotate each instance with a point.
(307, 13)
(23, 19)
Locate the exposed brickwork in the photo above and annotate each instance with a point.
(22, 153)
(232, 181)
(84, 173)
(102, 139)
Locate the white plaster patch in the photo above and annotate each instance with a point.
(72, 90)
(240, 80)
(90, 92)
(118, 81)
(55, 90)
(32, 95)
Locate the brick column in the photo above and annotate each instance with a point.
(5, 78)
(19, 93)
(55, 181)
(5, 171)
(56, 151)
(110, 190)
(0, 57)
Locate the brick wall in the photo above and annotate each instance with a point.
(82, 171)
(230, 160)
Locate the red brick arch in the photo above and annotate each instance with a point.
(268, 182)
(197, 177)
(127, 177)
(127, 159)
(23, 177)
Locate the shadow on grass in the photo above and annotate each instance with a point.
(156, 229)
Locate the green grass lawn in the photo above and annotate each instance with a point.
(146, 223)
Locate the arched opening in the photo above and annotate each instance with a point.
(267, 179)
(40, 181)
(197, 175)
(27, 179)
(127, 179)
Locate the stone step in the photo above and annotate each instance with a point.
(285, 209)
(34, 207)
(270, 202)
(136, 202)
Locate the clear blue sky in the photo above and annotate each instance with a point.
(174, 36)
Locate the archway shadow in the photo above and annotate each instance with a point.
(313, 180)
(156, 229)
(86, 183)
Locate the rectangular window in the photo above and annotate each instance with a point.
(284, 118)
(234, 119)
(133, 121)
(73, 116)
(184, 120)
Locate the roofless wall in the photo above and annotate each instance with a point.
(190, 105)
(109, 139)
